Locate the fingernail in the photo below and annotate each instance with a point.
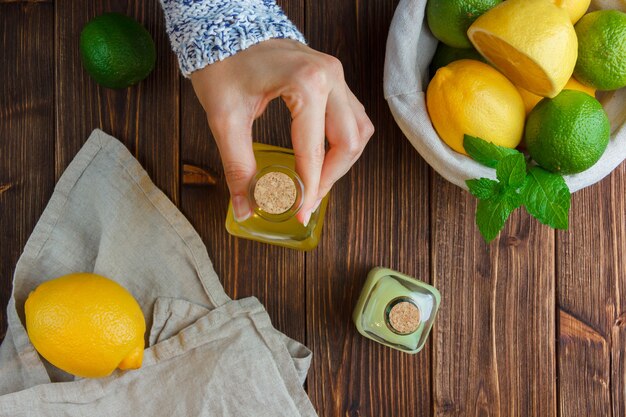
(241, 209)
(307, 218)
(316, 205)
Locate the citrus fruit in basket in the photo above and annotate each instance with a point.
(446, 54)
(86, 324)
(448, 20)
(602, 50)
(531, 100)
(116, 50)
(574, 8)
(471, 97)
(532, 42)
(568, 133)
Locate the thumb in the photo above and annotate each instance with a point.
(234, 141)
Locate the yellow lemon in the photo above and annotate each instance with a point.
(86, 324)
(531, 100)
(532, 42)
(471, 97)
(575, 8)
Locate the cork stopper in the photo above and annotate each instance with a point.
(404, 317)
(275, 192)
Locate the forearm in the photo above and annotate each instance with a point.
(206, 31)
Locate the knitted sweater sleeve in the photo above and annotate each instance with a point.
(206, 31)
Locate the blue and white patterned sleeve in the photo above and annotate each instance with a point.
(206, 31)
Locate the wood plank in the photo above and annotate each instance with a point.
(618, 366)
(378, 215)
(145, 117)
(25, 1)
(591, 271)
(272, 274)
(494, 339)
(617, 211)
(26, 131)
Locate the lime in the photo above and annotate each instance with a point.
(602, 50)
(446, 54)
(116, 50)
(449, 19)
(568, 133)
(532, 42)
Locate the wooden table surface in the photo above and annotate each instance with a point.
(533, 324)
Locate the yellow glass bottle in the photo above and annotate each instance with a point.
(277, 227)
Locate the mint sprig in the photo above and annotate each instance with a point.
(545, 195)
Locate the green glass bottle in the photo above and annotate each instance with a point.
(279, 226)
(396, 310)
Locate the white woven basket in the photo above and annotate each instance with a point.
(410, 48)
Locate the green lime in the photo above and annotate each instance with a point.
(602, 50)
(116, 50)
(449, 19)
(568, 133)
(446, 54)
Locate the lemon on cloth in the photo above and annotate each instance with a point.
(471, 97)
(602, 50)
(568, 133)
(575, 8)
(532, 42)
(116, 50)
(531, 100)
(86, 324)
(448, 20)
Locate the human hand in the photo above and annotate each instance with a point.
(236, 91)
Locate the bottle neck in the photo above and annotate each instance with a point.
(276, 193)
(402, 316)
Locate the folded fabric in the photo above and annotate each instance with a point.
(207, 355)
(410, 48)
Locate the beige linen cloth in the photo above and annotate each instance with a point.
(207, 355)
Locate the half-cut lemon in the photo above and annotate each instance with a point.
(532, 42)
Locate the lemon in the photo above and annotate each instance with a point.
(531, 100)
(471, 97)
(116, 50)
(86, 324)
(448, 20)
(532, 42)
(575, 8)
(602, 50)
(568, 133)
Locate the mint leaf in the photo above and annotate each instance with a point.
(547, 198)
(482, 188)
(484, 152)
(492, 213)
(511, 170)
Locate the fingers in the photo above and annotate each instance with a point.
(233, 135)
(366, 128)
(307, 136)
(319, 112)
(346, 139)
